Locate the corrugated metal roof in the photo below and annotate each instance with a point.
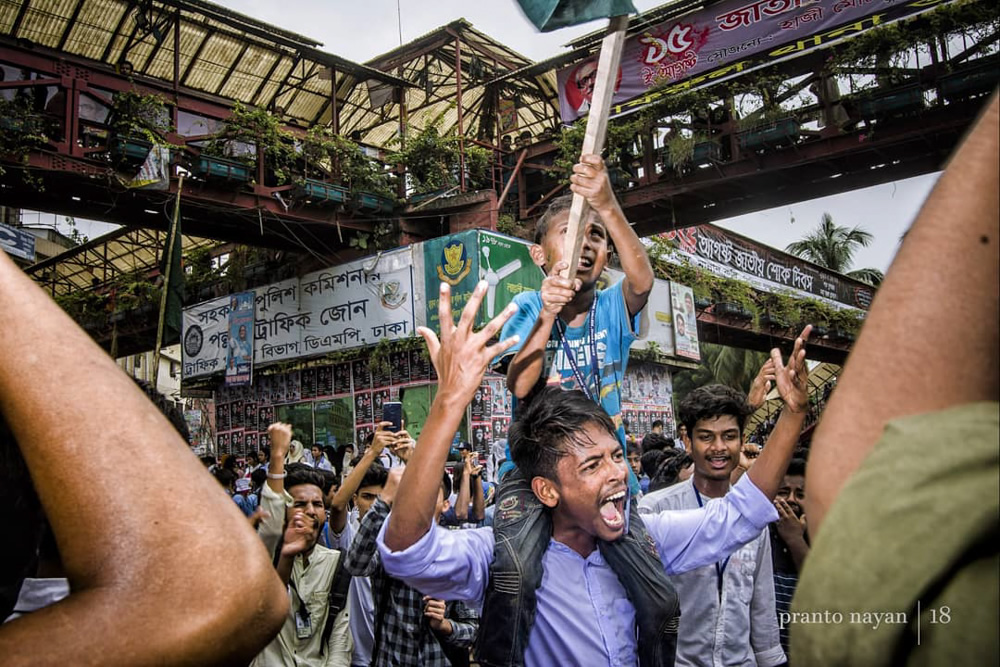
(100, 261)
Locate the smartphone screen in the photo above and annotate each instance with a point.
(392, 411)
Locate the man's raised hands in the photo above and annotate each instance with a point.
(462, 355)
(793, 379)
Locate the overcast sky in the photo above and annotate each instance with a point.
(362, 30)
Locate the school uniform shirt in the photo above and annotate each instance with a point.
(727, 608)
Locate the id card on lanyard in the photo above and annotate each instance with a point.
(571, 357)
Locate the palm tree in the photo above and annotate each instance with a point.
(832, 247)
(722, 364)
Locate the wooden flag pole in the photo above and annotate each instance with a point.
(597, 127)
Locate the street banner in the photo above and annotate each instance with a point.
(343, 307)
(728, 254)
(17, 243)
(724, 40)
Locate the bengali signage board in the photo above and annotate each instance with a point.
(17, 243)
(351, 305)
(505, 264)
(724, 40)
(727, 254)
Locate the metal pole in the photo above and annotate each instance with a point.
(458, 102)
(171, 235)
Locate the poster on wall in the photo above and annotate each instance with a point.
(240, 352)
(361, 375)
(420, 366)
(308, 383)
(685, 322)
(399, 362)
(362, 408)
(452, 260)
(505, 264)
(341, 378)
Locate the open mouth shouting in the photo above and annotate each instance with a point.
(585, 265)
(718, 461)
(613, 510)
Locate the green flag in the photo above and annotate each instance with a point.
(173, 280)
(550, 15)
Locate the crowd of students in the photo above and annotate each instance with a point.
(576, 547)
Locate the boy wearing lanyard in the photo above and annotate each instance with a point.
(729, 611)
(575, 336)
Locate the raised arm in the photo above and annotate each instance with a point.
(527, 365)
(460, 358)
(478, 501)
(338, 508)
(590, 179)
(951, 357)
(462, 501)
(127, 545)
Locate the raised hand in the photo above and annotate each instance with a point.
(748, 455)
(301, 527)
(793, 379)
(557, 291)
(402, 447)
(761, 384)
(383, 437)
(790, 527)
(281, 438)
(590, 179)
(462, 355)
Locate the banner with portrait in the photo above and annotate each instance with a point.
(239, 352)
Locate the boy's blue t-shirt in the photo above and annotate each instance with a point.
(615, 332)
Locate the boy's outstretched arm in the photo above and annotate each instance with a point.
(527, 365)
(460, 358)
(590, 179)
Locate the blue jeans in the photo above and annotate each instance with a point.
(522, 528)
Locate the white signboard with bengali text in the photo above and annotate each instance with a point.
(351, 305)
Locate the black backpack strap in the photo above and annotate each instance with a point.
(337, 598)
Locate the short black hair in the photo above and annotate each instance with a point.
(552, 419)
(710, 401)
(655, 441)
(796, 468)
(376, 475)
(650, 461)
(557, 206)
(657, 424)
(297, 474)
(669, 469)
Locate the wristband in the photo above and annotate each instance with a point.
(278, 476)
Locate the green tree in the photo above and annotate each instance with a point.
(720, 364)
(833, 246)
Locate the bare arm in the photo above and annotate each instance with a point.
(462, 501)
(590, 179)
(951, 357)
(76, 417)
(281, 438)
(338, 508)
(478, 501)
(460, 358)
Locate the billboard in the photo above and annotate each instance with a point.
(722, 41)
(17, 243)
(351, 305)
